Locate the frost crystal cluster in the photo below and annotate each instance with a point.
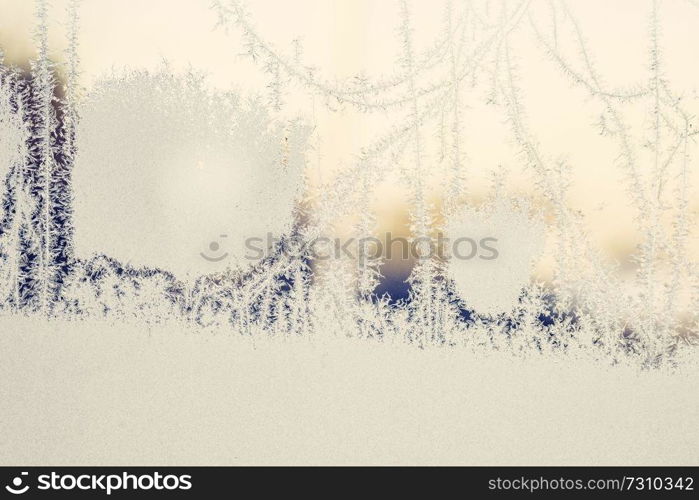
(164, 168)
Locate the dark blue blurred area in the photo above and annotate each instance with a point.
(394, 284)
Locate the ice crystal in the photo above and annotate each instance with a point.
(502, 243)
(167, 170)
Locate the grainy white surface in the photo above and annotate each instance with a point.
(92, 393)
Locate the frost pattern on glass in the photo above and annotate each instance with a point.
(157, 187)
(106, 211)
(491, 282)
